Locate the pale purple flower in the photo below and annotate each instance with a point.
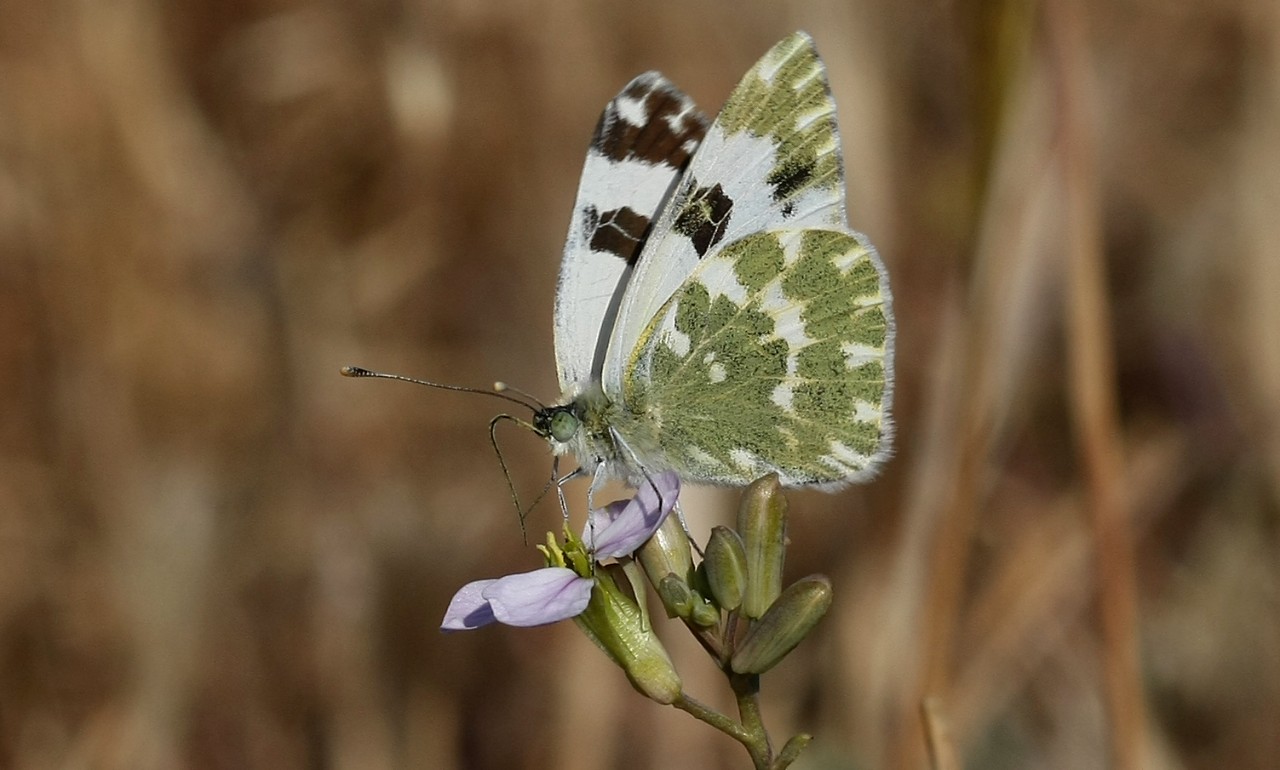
(556, 593)
(527, 599)
(620, 528)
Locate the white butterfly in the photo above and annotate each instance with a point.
(715, 314)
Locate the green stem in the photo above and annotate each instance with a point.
(746, 688)
(750, 732)
(791, 751)
(756, 743)
(714, 718)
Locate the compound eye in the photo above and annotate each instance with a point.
(563, 425)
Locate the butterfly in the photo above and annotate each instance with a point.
(715, 314)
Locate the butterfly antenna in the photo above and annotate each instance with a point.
(502, 387)
(497, 392)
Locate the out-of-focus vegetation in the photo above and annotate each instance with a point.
(217, 553)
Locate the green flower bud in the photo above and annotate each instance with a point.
(676, 596)
(762, 524)
(704, 614)
(788, 621)
(700, 584)
(618, 627)
(726, 563)
(667, 553)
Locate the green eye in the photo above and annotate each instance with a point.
(563, 425)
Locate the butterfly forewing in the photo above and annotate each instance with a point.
(644, 139)
(771, 159)
(773, 356)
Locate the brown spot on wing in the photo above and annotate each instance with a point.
(704, 217)
(656, 140)
(620, 232)
(791, 176)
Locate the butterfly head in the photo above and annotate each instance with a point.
(558, 423)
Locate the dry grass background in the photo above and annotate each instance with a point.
(217, 553)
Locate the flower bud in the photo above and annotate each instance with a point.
(726, 563)
(704, 613)
(700, 584)
(788, 621)
(676, 595)
(615, 623)
(762, 524)
(667, 552)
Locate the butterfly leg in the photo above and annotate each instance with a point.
(644, 472)
(561, 481)
(598, 479)
(684, 525)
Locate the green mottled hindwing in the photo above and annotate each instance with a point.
(771, 356)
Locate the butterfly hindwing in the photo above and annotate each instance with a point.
(771, 159)
(644, 139)
(773, 356)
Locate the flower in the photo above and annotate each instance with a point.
(619, 528)
(527, 599)
(563, 588)
(575, 585)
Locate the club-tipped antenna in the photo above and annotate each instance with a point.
(533, 404)
(497, 392)
(501, 387)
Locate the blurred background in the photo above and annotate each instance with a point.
(215, 552)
